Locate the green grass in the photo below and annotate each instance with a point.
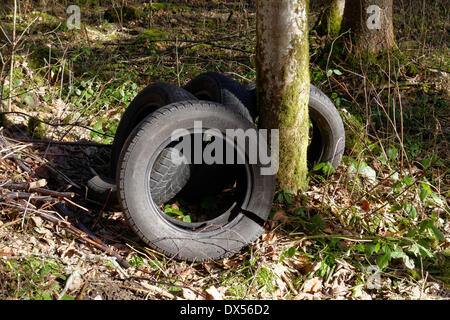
(32, 279)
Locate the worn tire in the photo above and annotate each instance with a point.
(328, 139)
(151, 98)
(217, 87)
(208, 240)
(167, 178)
(103, 190)
(328, 136)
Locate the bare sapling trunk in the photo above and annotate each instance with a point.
(13, 53)
(282, 61)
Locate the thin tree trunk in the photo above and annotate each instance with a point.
(283, 83)
(330, 24)
(335, 16)
(370, 22)
(13, 53)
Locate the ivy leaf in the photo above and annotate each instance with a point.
(409, 263)
(423, 195)
(370, 249)
(367, 172)
(425, 192)
(392, 153)
(98, 127)
(437, 199)
(415, 249)
(28, 100)
(364, 170)
(383, 260)
(396, 207)
(377, 247)
(398, 253)
(318, 166)
(426, 163)
(424, 252)
(407, 180)
(289, 253)
(328, 169)
(425, 224)
(411, 211)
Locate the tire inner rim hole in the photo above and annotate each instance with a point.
(214, 192)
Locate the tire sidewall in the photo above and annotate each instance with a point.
(325, 115)
(148, 100)
(148, 222)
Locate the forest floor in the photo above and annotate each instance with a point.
(385, 208)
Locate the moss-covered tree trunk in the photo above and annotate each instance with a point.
(334, 13)
(283, 83)
(370, 22)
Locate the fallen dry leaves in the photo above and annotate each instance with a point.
(313, 285)
(215, 294)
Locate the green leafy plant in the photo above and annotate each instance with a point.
(178, 214)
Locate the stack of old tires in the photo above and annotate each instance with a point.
(148, 178)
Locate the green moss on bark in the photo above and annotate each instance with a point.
(283, 86)
(330, 23)
(334, 20)
(294, 124)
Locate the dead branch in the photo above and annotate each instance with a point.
(25, 186)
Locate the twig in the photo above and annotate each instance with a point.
(331, 236)
(81, 236)
(13, 52)
(28, 187)
(8, 196)
(77, 205)
(81, 294)
(13, 156)
(25, 212)
(158, 290)
(11, 223)
(92, 238)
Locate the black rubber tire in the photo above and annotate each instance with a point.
(328, 140)
(168, 178)
(208, 240)
(328, 136)
(103, 190)
(217, 87)
(151, 98)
